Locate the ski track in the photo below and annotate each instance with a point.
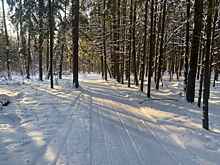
(70, 146)
(104, 127)
(120, 136)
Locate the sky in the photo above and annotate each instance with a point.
(9, 25)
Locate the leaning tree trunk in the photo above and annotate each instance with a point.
(202, 52)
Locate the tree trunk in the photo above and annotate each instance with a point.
(41, 40)
(202, 52)
(61, 62)
(156, 64)
(161, 46)
(62, 47)
(198, 13)
(217, 63)
(130, 44)
(118, 44)
(75, 26)
(7, 42)
(104, 44)
(187, 47)
(206, 90)
(101, 57)
(213, 53)
(29, 53)
(29, 42)
(124, 40)
(51, 41)
(134, 45)
(151, 49)
(145, 46)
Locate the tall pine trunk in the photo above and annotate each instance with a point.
(206, 90)
(134, 45)
(7, 42)
(41, 40)
(51, 41)
(118, 43)
(151, 49)
(187, 47)
(198, 13)
(130, 44)
(75, 27)
(104, 44)
(145, 47)
(63, 46)
(161, 46)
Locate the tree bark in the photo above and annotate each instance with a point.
(130, 44)
(75, 26)
(41, 40)
(7, 42)
(51, 42)
(145, 47)
(161, 45)
(134, 45)
(206, 90)
(198, 13)
(151, 49)
(104, 44)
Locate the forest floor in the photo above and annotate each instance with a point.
(105, 123)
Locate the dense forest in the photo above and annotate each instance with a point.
(120, 39)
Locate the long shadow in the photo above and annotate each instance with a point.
(108, 93)
(142, 140)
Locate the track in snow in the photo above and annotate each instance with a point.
(119, 135)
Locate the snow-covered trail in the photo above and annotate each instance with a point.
(100, 123)
(122, 134)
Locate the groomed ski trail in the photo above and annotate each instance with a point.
(121, 135)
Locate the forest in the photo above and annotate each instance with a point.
(131, 41)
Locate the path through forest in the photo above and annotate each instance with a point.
(122, 134)
(101, 123)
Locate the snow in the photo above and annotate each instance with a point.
(104, 123)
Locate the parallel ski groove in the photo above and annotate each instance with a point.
(160, 126)
(125, 127)
(104, 132)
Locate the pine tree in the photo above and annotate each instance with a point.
(7, 42)
(75, 39)
(198, 15)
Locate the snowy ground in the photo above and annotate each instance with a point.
(105, 123)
